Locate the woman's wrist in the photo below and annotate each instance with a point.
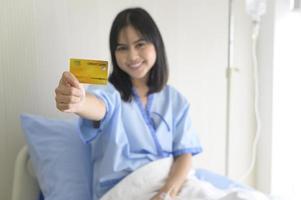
(171, 188)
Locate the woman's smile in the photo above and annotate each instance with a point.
(135, 65)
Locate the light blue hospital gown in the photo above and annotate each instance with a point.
(130, 135)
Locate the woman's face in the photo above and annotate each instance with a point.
(134, 55)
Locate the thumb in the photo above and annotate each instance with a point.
(71, 80)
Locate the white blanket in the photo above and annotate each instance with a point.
(146, 181)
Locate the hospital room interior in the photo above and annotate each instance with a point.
(237, 62)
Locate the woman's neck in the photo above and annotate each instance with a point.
(140, 87)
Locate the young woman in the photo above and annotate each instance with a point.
(137, 118)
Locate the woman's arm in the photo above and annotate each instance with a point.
(177, 176)
(92, 108)
(72, 98)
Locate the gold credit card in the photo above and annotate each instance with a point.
(90, 71)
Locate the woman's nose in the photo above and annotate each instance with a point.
(133, 54)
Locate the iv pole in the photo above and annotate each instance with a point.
(228, 76)
(255, 8)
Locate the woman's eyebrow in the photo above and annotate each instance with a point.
(139, 40)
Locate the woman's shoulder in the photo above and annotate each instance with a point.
(174, 92)
(109, 88)
(108, 91)
(176, 97)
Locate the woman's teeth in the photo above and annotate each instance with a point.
(135, 65)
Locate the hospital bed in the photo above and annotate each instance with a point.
(25, 185)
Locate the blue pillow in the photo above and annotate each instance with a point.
(61, 161)
(219, 181)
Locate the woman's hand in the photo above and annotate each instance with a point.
(70, 94)
(175, 180)
(159, 196)
(166, 193)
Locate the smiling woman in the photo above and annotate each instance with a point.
(123, 114)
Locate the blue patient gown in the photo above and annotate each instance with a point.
(131, 135)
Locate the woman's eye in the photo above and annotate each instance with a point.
(141, 44)
(121, 48)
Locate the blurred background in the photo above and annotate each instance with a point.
(209, 50)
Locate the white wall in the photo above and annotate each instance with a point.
(39, 37)
(286, 161)
(278, 166)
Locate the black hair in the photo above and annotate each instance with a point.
(140, 20)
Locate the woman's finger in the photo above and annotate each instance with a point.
(66, 107)
(70, 79)
(60, 98)
(66, 90)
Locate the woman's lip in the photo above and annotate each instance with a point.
(136, 65)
